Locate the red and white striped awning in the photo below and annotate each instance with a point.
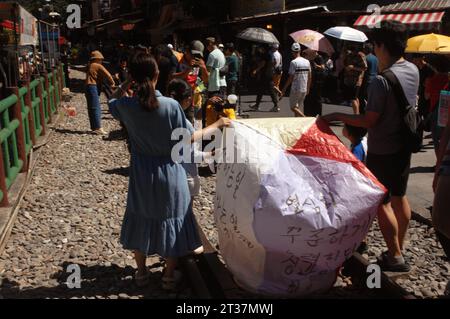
(416, 21)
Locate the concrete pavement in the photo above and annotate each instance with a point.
(420, 193)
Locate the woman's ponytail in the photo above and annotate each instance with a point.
(147, 95)
(144, 70)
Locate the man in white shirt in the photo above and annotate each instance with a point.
(300, 78)
(277, 60)
(217, 84)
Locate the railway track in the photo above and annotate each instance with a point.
(209, 278)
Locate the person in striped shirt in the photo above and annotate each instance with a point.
(299, 80)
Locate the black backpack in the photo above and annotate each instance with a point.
(413, 126)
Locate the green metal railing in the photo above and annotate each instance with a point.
(25, 109)
(24, 116)
(45, 99)
(35, 103)
(51, 92)
(8, 140)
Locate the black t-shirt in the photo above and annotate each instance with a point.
(318, 76)
(267, 71)
(425, 72)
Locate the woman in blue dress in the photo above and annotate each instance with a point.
(158, 217)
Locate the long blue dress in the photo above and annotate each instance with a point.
(158, 218)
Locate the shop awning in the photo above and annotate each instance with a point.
(416, 21)
(417, 5)
(288, 13)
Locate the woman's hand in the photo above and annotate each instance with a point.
(223, 122)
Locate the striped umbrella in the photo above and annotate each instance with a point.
(258, 35)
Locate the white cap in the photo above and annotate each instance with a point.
(295, 47)
(232, 99)
(221, 46)
(170, 46)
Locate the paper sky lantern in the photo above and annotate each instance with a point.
(293, 208)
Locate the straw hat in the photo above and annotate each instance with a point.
(97, 55)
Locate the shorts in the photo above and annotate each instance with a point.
(392, 170)
(194, 185)
(350, 93)
(297, 100)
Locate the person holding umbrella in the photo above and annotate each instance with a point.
(96, 75)
(388, 157)
(263, 73)
(264, 69)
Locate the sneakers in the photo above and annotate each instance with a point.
(386, 265)
(254, 107)
(100, 131)
(171, 283)
(275, 109)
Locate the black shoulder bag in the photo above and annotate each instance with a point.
(412, 123)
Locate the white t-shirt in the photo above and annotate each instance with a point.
(277, 59)
(300, 68)
(216, 61)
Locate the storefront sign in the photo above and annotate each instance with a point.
(28, 30)
(14, 17)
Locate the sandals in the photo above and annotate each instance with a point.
(171, 283)
(142, 280)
